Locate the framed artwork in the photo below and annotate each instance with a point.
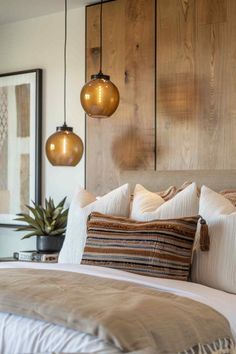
(20, 143)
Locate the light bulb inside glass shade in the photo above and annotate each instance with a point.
(64, 148)
(100, 97)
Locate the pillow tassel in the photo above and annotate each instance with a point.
(204, 236)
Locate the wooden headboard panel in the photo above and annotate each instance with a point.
(174, 63)
(159, 180)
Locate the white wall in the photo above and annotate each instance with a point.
(38, 43)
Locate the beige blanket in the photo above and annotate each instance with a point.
(130, 316)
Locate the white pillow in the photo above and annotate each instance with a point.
(217, 267)
(116, 203)
(149, 206)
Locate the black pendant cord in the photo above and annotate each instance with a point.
(64, 127)
(65, 62)
(100, 74)
(101, 29)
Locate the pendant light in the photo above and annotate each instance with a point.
(100, 97)
(64, 148)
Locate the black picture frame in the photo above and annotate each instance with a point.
(37, 136)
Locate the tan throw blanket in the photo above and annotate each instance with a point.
(131, 317)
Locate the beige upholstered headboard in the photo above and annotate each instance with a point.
(159, 180)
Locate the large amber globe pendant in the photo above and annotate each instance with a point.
(100, 97)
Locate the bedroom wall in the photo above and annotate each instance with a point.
(195, 120)
(38, 43)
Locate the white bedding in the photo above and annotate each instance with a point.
(22, 335)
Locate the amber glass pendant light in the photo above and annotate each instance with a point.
(100, 97)
(64, 148)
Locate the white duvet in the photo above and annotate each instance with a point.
(20, 335)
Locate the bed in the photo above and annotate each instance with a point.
(23, 335)
(33, 334)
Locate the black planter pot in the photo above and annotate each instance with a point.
(47, 244)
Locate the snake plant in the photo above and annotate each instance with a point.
(48, 221)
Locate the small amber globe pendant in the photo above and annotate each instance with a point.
(100, 97)
(64, 148)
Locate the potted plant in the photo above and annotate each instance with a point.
(47, 224)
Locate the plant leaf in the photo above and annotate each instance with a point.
(61, 204)
(30, 235)
(58, 232)
(26, 228)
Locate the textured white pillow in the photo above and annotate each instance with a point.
(116, 203)
(149, 206)
(217, 267)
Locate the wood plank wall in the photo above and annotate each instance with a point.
(195, 122)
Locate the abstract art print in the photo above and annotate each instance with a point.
(20, 142)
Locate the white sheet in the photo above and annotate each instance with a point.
(23, 335)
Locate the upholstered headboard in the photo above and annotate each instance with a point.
(158, 180)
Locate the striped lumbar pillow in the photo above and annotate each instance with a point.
(159, 248)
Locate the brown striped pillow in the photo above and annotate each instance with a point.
(158, 248)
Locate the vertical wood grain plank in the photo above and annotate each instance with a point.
(229, 114)
(127, 139)
(211, 95)
(101, 174)
(176, 119)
